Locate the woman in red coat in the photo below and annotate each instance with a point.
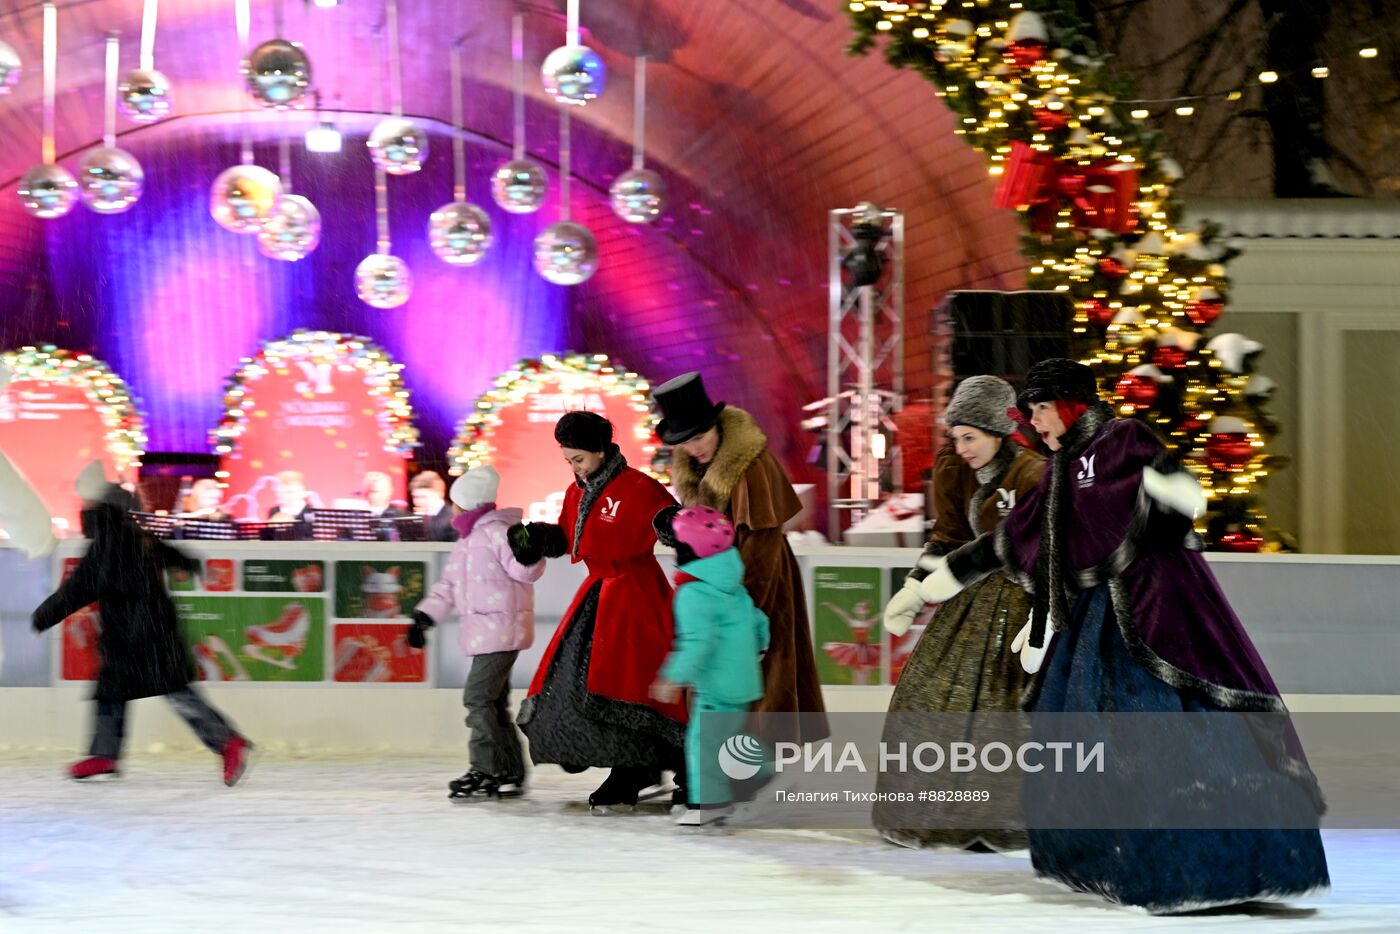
(588, 704)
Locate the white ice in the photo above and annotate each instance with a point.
(335, 844)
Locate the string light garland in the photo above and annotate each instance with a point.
(1081, 165)
(472, 446)
(108, 393)
(380, 372)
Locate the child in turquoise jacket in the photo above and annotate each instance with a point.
(720, 636)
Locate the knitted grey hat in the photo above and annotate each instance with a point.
(982, 401)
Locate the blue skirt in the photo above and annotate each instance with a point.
(1090, 670)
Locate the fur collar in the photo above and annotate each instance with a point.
(613, 465)
(741, 442)
(990, 474)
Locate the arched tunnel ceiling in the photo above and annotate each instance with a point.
(757, 118)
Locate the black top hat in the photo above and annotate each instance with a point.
(686, 409)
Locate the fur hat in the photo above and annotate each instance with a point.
(1057, 378)
(476, 487)
(982, 401)
(584, 431)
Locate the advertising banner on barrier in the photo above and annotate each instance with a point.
(376, 652)
(378, 589)
(256, 638)
(847, 619)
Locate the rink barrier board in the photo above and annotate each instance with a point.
(1325, 624)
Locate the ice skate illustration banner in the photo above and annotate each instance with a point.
(848, 629)
(256, 638)
(284, 576)
(376, 652)
(901, 647)
(378, 589)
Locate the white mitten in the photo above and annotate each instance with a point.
(1031, 657)
(940, 585)
(1179, 491)
(903, 607)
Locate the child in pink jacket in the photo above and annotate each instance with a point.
(493, 596)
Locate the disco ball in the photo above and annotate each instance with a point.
(638, 196)
(144, 96)
(110, 180)
(566, 253)
(291, 230)
(278, 73)
(10, 67)
(383, 281)
(459, 233)
(47, 191)
(398, 146)
(520, 186)
(574, 74)
(241, 197)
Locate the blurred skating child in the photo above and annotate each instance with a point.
(720, 636)
(493, 595)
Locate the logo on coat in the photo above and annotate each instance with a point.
(1006, 501)
(610, 508)
(1086, 471)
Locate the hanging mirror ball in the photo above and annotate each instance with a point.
(398, 146)
(241, 197)
(110, 180)
(566, 253)
(383, 281)
(459, 233)
(278, 73)
(47, 191)
(10, 67)
(520, 186)
(638, 196)
(291, 230)
(144, 96)
(574, 74)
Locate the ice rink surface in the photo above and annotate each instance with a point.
(333, 844)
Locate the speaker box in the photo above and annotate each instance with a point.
(1005, 333)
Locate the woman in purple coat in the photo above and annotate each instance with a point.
(1127, 618)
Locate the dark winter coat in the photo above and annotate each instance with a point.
(142, 650)
(746, 482)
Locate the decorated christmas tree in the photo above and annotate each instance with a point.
(1077, 158)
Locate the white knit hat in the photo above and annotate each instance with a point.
(476, 487)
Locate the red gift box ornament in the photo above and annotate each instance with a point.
(1097, 312)
(1101, 195)
(1205, 308)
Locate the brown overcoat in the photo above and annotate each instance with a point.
(746, 482)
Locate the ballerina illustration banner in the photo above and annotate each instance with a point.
(849, 636)
(378, 589)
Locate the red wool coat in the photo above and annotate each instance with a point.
(634, 629)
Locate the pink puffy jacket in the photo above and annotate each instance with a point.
(492, 594)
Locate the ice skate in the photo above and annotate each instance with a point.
(238, 758)
(704, 817)
(478, 784)
(225, 654)
(93, 767)
(209, 668)
(620, 790)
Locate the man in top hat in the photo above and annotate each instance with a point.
(721, 459)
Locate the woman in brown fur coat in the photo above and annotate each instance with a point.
(721, 459)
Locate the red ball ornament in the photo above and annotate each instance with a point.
(1191, 426)
(1169, 358)
(1024, 54)
(1228, 451)
(1050, 120)
(1110, 267)
(1247, 543)
(1098, 312)
(1138, 391)
(1204, 311)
